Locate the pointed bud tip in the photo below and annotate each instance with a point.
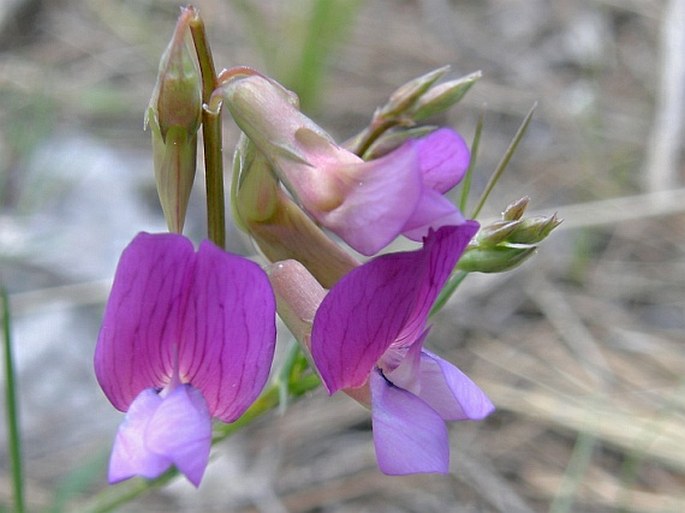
(407, 94)
(443, 96)
(177, 97)
(515, 210)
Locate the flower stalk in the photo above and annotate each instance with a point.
(211, 135)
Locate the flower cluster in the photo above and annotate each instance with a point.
(189, 336)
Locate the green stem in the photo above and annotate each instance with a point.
(211, 136)
(447, 291)
(499, 170)
(12, 414)
(214, 176)
(377, 128)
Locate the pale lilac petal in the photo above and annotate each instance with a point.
(450, 392)
(181, 430)
(130, 455)
(380, 196)
(444, 158)
(135, 348)
(401, 366)
(432, 212)
(409, 436)
(229, 332)
(383, 302)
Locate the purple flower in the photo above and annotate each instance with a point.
(186, 336)
(367, 339)
(443, 159)
(367, 203)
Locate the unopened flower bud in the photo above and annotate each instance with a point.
(406, 95)
(293, 143)
(495, 233)
(441, 97)
(515, 210)
(255, 197)
(177, 97)
(534, 229)
(278, 226)
(174, 116)
(502, 257)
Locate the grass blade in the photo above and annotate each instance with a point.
(466, 183)
(499, 170)
(12, 414)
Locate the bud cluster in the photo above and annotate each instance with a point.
(395, 122)
(507, 242)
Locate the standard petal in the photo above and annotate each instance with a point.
(229, 331)
(432, 212)
(181, 431)
(451, 392)
(362, 315)
(130, 455)
(382, 303)
(409, 436)
(444, 158)
(441, 250)
(380, 197)
(136, 345)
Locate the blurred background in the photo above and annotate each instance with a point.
(582, 348)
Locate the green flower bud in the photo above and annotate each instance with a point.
(495, 259)
(177, 96)
(441, 97)
(406, 95)
(256, 187)
(174, 116)
(533, 230)
(495, 233)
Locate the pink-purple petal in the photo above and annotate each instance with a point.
(380, 196)
(451, 392)
(409, 436)
(181, 430)
(441, 251)
(229, 332)
(382, 303)
(130, 454)
(444, 158)
(362, 315)
(135, 348)
(433, 211)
